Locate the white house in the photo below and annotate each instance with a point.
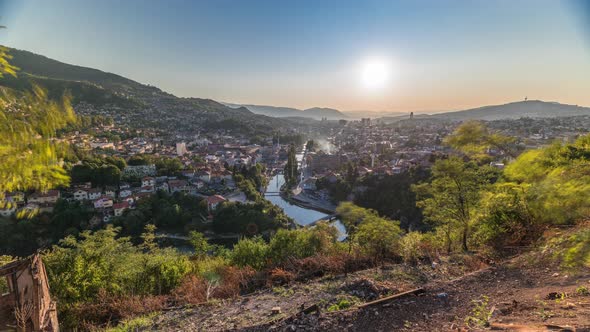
(103, 202)
(50, 197)
(213, 201)
(125, 193)
(148, 181)
(81, 195)
(94, 193)
(111, 192)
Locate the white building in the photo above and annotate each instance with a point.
(181, 149)
(81, 195)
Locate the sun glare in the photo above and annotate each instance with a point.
(375, 73)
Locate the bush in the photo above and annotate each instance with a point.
(279, 276)
(250, 252)
(109, 310)
(411, 247)
(379, 237)
(192, 290)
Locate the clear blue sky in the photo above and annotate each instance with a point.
(442, 55)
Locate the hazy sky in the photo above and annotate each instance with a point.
(439, 55)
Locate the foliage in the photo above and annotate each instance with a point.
(450, 199)
(582, 291)
(250, 180)
(251, 252)
(199, 243)
(474, 139)
(100, 175)
(343, 303)
(379, 237)
(410, 247)
(391, 196)
(558, 178)
(301, 243)
(177, 212)
(29, 152)
(79, 270)
(168, 166)
(573, 251)
(480, 313)
(291, 172)
(134, 324)
(352, 216)
(249, 218)
(504, 216)
(22, 237)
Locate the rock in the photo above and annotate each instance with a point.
(275, 310)
(555, 274)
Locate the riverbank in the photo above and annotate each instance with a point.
(303, 213)
(307, 203)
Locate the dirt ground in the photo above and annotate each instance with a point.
(330, 293)
(521, 297)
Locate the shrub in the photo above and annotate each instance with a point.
(279, 276)
(480, 313)
(411, 247)
(192, 290)
(250, 252)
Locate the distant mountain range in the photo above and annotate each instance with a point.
(516, 110)
(140, 102)
(285, 112)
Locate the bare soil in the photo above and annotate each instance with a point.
(522, 296)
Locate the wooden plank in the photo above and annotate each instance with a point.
(386, 299)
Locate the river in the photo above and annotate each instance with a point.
(302, 216)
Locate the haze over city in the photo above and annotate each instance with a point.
(349, 55)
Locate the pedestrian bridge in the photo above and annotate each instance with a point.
(328, 218)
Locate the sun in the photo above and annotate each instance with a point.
(375, 73)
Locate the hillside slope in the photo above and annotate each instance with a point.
(316, 113)
(516, 110)
(142, 104)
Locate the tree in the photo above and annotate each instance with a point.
(199, 243)
(291, 172)
(352, 216)
(28, 125)
(474, 139)
(449, 200)
(379, 236)
(30, 155)
(251, 252)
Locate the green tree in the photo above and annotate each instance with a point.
(352, 216)
(474, 139)
(251, 252)
(379, 237)
(291, 172)
(199, 243)
(450, 199)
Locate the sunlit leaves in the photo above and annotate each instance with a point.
(474, 139)
(5, 67)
